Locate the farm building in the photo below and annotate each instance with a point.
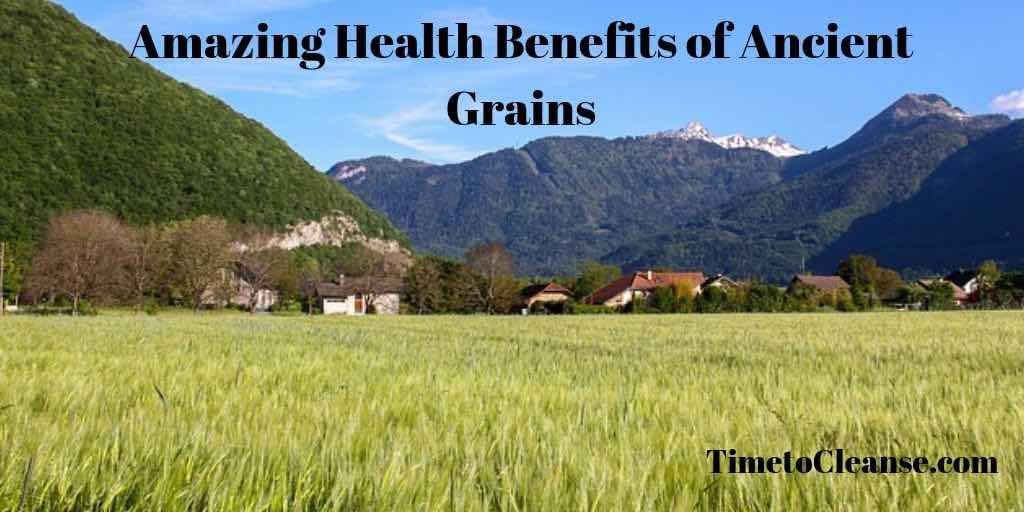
(960, 296)
(821, 284)
(360, 296)
(544, 294)
(719, 281)
(640, 285)
(967, 281)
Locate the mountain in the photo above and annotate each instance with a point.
(965, 212)
(557, 200)
(696, 131)
(770, 232)
(86, 126)
(677, 199)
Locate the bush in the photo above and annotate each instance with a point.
(572, 308)
(86, 308)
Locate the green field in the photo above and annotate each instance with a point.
(231, 412)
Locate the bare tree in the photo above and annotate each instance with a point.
(81, 256)
(259, 265)
(199, 252)
(494, 264)
(142, 261)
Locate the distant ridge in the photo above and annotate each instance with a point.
(680, 199)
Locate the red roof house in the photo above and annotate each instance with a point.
(625, 289)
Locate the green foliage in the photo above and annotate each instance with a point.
(869, 283)
(437, 285)
(941, 297)
(559, 200)
(960, 215)
(768, 233)
(349, 259)
(765, 298)
(664, 300)
(575, 308)
(988, 276)
(593, 276)
(85, 126)
(714, 300)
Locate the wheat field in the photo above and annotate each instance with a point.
(232, 412)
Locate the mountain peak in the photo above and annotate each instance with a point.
(772, 144)
(919, 105)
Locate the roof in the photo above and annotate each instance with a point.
(961, 277)
(958, 292)
(826, 284)
(537, 289)
(720, 279)
(640, 281)
(353, 285)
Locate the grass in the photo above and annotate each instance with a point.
(183, 412)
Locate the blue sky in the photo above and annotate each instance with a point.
(968, 52)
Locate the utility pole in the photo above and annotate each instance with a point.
(3, 262)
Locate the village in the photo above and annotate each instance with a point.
(89, 259)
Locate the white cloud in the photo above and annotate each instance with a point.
(397, 128)
(1010, 103)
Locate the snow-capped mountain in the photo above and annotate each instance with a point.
(771, 144)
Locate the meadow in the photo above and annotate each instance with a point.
(232, 412)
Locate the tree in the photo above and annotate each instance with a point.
(593, 276)
(869, 282)
(308, 275)
(765, 298)
(493, 263)
(988, 277)
(712, 300)
(912, 294)
(858, 270)
(199, 252)
(663, 299)
(81, 256)
(259, 264)
(142, 262)
(424, 291)
(888, 283)
(941, 296)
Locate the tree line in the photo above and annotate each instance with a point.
(89, 258)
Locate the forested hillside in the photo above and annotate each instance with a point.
(968, 211)
(772, 232)
(557, 201)
(86, 126)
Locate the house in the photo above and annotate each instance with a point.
(359, 296)
(242, 289)
(721, 281)
(640, 285)
(544, 294)
(967, 281)
(234, 288)
(820, 284)
(960, 296)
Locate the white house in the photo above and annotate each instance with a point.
(360, 296)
